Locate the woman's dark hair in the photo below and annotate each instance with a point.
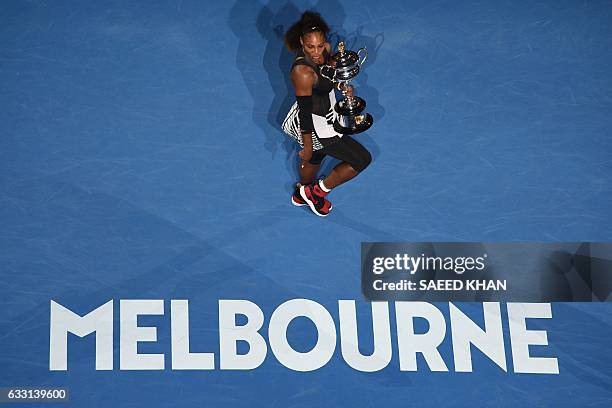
(310, 22)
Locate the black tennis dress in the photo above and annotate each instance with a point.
(323, 114)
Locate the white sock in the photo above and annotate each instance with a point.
(327, 190)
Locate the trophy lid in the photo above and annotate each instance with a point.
(344, 58)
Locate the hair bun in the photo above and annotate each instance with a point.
(310, 22)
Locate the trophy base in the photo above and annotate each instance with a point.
(364, 125)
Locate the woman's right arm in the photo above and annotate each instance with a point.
(303, 78)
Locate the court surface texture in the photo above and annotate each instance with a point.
(142, 158)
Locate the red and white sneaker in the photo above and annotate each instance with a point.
(314, 196)
(296, 198)
(298, 201)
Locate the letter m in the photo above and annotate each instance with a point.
(64, 320)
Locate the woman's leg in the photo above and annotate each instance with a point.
(307, 172)
(354, 159)
(308, 169)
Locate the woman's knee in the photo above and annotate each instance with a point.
(367, 158)
(363, 160)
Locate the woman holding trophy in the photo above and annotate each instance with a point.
(311, 119)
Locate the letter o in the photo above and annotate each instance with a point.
(323, 350)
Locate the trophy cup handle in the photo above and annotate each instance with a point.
(365, 55)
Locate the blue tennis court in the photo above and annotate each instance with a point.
(142, 158)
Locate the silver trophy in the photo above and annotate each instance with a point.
(345, 65)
